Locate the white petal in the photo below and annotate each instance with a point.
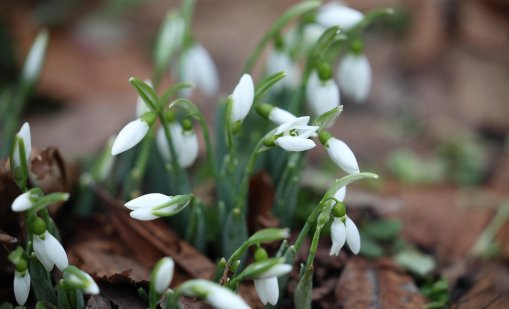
(310, 35)
(276, 271)
(242, 97)
(352, 236)
(280, 116)
(162, 144)
(354, 76)
(40, 253)
(92, 287)
(271, 290)
(340, 194)
(22, 202)
(338, 235)
(294, 143)
(287, 126)
(189, 149)
(342, 155)
(224, 298)
(278, 61)
(21, 287)
(199, 69)
(261, 290)
(55, 251)
(24, 134)
(129, 136)
(148, 200)
(176, 136)
(164, 275)
(143, 214)
(321, 96)
(307, 131)
(334, 14)
(141, 107)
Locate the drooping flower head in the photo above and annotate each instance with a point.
(242, 97)
(79, 279)
(26, 200)
(22, 143)
(21, 284)
(214, 294)
(47, 248)
(197, 67)
(294, 135)
(155, 205)
(266, 283)
(322, 92)
(162, 274)
(335, 13)
(132, 133)
(274, 113)
(354, 74)
(340, 153)
(343, 229)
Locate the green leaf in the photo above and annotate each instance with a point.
(173, 90)
(146, 92)
(62, 300)
(328, 117)
(384, 230)
(275, 29)
(302, 296)
(324, 42)
(266, 84)
(348, 180)
(41, 281)
(6, 305)
(235, 231)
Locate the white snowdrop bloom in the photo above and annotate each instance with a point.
(337, 14)
(197, 67)
(340, 194)
(154, 205)
(35, 57)
(342, 155)
(242, 97)
(354, 76)
(50, 252)
(77, 278)
(25, 136)
(22, 202)
(338, 235)
(214, 294)
(21, 286)
(280, 116)
(267, 286)
(141, 107)
(322, 96)
(278, 61)
(353, 237)
(185, 143)
(130, 136)
(310, 35)
(163, 274)
(294, 135)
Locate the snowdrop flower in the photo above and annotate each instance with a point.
(354, 76)
(337, 14)
(216, 295)
(21, 283)
(25, 137)
(154, 205)
(198, 68)
(25, 201)
(275, 114)
(294, 135)
(49, 251)
(340, 153)
(162, 274)
(132, 133)
(242, 97)
(322, 93)
(185, 144)
(77, 278)
(310, 35)
(344, 230)
(141, 107)
(278, 61)
(267, 286)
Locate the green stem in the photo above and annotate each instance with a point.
(276, 28)
(182, 182)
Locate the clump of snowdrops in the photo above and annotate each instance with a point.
(268, 125)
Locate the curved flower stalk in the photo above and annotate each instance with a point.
(198, 68)
(294, 135)
(133, 133)
(336, 14)
(79, 279)
(322, 93)
(141, 106)
(340, 153)
(354, 76)
(47, 248)
(21, 283)
(216, 295)
(242, 98)
(185, 143)
(154, 205)
(266, 283)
